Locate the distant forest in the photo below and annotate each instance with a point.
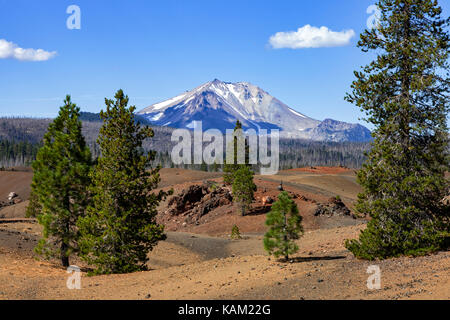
(20, 139)
(14, 154)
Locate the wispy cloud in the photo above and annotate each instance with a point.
(10, 50)
(311, 37)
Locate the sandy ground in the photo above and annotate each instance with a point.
(201, 262)
(16, 181)
(190, 266)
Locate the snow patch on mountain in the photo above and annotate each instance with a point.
(163, 104)
(219, 104)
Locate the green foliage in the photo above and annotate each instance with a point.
(405, 94)
(213, 186)
(34, 207)
(235, 233)
(59, 186)
(243, 188)
(229, 169)
(239, 175)
(120, 229)
(15, 153)
(285, 226)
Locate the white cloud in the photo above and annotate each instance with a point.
(11, 50)
(311, 37)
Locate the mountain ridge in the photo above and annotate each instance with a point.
(219, 104)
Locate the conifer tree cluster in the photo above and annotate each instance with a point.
(16, 153)
(405, 94)
(103, 210)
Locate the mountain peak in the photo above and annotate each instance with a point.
(216, 81)
(219, 104)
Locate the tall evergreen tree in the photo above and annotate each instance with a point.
(60, 181)
(120, 229)
(33, 208)
(405, 94)
(285, 226)
(243, 188)
(229, 169)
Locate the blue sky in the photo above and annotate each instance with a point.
(157, 49)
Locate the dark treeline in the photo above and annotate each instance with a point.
(294, 153)
(298, 154)
(13, 154)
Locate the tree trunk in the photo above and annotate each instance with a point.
(64, 257)
(286, 255)
(405, 86)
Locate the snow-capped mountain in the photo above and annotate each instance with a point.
(219, 104)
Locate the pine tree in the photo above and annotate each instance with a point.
(285, 226)
(405, 94)
(229, 169)
(60, 182)
(235, 233)
(120, 229)
(33, 208)
(243, 188)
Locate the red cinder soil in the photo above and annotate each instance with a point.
(200, 261)
(219, 221)
(15, 181)
(321, 170)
